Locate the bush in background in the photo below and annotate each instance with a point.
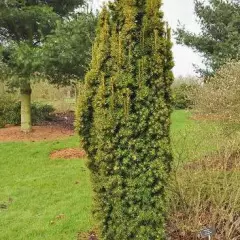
(181, 98)
(10, 112)
(6, 103)
(219, 97)
(182, 89)
(61, 98)
(206, 192)
(41, 112)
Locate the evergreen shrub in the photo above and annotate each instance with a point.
(123, 117)
(10, 112)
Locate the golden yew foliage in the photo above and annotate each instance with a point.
(123, 118)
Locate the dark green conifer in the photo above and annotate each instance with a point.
(124, 119)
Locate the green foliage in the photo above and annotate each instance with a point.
(20, 64)
(66, 53)
(28, 23)
(11, 112)
(64, 6)
(32, 20)
(123, 119)
(24, 26)
(219, 40)
(181, 98)
(6, 102)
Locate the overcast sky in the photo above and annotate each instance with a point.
(178, 10)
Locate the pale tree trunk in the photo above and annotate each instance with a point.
(26, 118)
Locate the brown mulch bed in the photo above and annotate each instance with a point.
(61, 126)
(68, 153)
(39, 133)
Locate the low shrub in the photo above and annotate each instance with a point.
(11, 113)
(181, 99)
(206, 193)
(6, 103)
(41, 112)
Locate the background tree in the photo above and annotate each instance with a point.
(65, 55)
(23, 27)
(219, 39)
(124, 118)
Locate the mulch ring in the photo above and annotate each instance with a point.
(68, 153)
(220, 161)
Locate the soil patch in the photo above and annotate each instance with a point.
(39, 133)
(68, 153)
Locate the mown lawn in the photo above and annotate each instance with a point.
(192, 139)
(42, 198)
(51, 199)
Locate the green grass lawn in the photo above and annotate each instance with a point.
(39, 197)
(42, 198)
(192, 139)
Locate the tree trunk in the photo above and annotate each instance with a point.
(26, 118)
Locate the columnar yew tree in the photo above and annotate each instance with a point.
(124, 118)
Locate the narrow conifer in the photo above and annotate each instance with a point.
(124, 118)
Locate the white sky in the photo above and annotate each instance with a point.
(178, 10)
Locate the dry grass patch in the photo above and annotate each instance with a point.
(206, 193)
